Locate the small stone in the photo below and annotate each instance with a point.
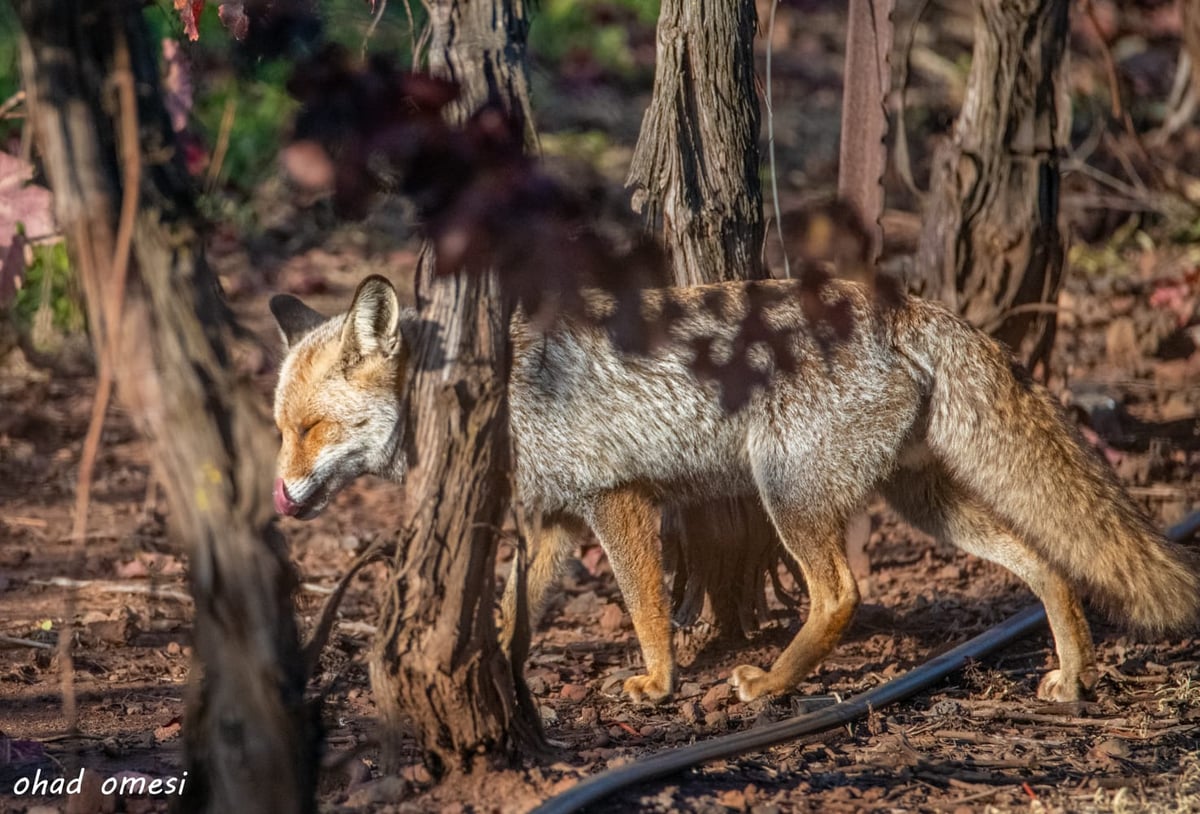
(613, 619)
(574, 692)
(1112, 747)
(716, 697)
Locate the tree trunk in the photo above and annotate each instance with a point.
(992, 244)
(695, 174)
(862, 159)
(438, 662)
(91, 74)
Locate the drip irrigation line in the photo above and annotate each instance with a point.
(914, 681)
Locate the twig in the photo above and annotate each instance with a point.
(32, 522)
(1027, 308)
(1110, 66)
(112, 304)
(10, 103)
(113, 587)
(222, 146)
(13, 641)
(903, 159)
(412, 34)
(374, 24)
(972, 798)
(320, 635)
(787, 270)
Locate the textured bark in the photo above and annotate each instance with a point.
(992, 241)
(695, 167)
(251, 742)
(862, 154)
(862, 158)
(439, 665)
(695, 172)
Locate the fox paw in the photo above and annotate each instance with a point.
(750, 682)
(648, 688)
(1055, 686)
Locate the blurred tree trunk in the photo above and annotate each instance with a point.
(438, 663)
(992, 244)
(695, 174)
(91, 74)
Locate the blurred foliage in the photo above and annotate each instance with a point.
(49, 286)
(263, 109)
(596, 29)
(9, 64)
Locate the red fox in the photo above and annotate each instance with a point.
(913, 403)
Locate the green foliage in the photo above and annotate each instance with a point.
(262, 113)
(263, 109)
(599, 28)
(50, 283)
(10, 80)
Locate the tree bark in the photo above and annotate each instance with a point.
(438, 664)
(992, 243)
(250, 737)
(862, 159)
(695, 174)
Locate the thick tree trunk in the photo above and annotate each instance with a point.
(992, 245)
(251, 742)
(695, 172)
(439, 664)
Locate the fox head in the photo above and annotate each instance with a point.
(338, 400)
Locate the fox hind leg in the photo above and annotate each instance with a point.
(554, 545)
(931, 501)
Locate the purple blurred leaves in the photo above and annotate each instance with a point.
(485, 204)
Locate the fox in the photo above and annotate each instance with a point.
(912, 403)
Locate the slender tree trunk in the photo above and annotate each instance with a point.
(695, 172)
(438, 663)
(862, 159)
(91, 73)
(992, 241)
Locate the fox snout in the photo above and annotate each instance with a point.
(283, 501)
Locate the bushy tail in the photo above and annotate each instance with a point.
(1006, 439)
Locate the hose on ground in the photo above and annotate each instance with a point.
(738, 743)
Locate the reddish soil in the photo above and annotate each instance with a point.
(981, 740)
(1126, 358)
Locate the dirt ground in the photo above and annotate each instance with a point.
(981, 740)
(1126, 361)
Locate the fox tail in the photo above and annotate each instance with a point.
(1005, 439)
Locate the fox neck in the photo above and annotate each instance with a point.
(396, 467)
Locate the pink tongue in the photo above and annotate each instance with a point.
(284, 504)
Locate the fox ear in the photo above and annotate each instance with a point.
(373, 323)
(295, 319)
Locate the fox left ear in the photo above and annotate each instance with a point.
(295, 319)
(373, 323)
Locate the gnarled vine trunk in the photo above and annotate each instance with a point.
(695, 174)
(91, 74)
(992, 245)
(438, 663)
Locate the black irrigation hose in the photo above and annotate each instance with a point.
(753, 740)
